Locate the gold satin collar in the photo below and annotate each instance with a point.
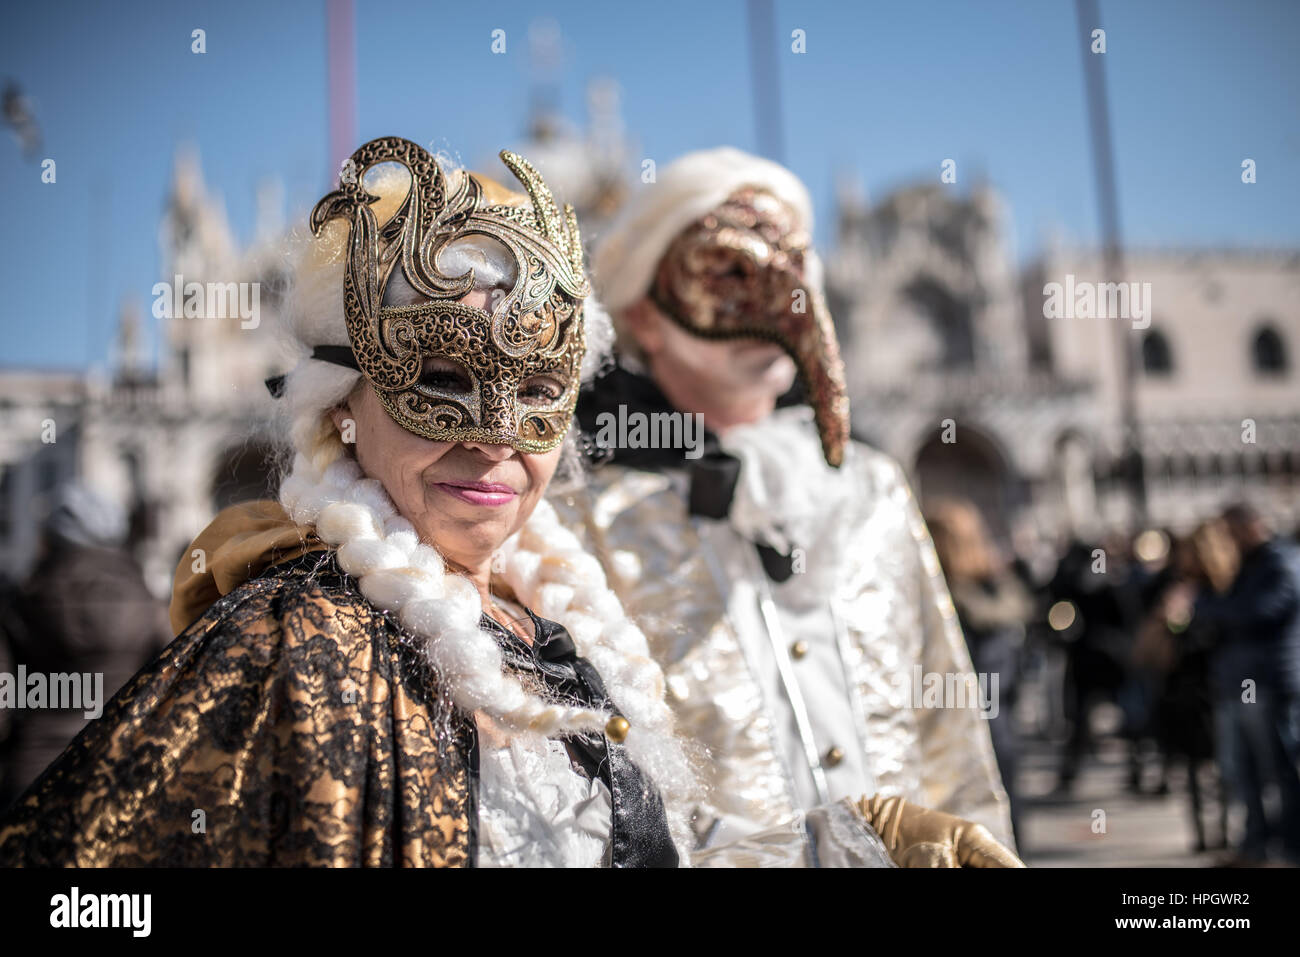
(240, 542)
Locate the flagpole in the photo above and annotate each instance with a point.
(1103, 159)
(765, 77)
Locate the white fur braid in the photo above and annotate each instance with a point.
(548, 570)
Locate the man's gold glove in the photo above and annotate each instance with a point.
(918, 837)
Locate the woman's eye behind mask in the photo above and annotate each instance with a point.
(446, 376)
(541, 390)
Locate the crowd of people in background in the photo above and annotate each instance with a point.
(1194, 638)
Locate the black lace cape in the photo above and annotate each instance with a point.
(294, 724)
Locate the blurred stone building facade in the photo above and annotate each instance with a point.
(955, 371)
(1216, 387)
(952, 368)
(171, 444)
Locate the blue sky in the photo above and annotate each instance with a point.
(886, 90)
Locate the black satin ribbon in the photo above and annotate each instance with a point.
(338, 355)
(552, 640)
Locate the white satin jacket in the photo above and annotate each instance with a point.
(818, 688)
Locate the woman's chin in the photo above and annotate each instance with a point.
(460, 530)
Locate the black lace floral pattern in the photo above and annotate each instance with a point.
(291, 725)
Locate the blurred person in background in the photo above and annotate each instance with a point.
(1140, 565)
(1257, 681)
(1093, 580)
(993, 608)
(84, 608)
(1177, 648)
(1152, 570)
(1033, 561)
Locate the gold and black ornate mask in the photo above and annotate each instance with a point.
(532, 330)
(738, 273)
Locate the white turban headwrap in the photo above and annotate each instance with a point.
(628, 251)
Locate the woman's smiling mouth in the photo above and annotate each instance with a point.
(479, 493)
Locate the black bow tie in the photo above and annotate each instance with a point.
(713, 485)
(713, 479)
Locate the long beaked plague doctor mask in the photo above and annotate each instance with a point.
(738, 273)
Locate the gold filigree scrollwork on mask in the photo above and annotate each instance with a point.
(738, 273)
(533, 331)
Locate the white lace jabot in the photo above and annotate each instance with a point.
(535, 810)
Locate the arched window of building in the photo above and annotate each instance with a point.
(1268, 352)
(1157, 359)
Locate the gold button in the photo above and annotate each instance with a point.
(799, 649)
(833, 757)
(616, 729)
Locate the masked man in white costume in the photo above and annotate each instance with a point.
(781, 571)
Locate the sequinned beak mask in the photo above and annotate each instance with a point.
(443, 367)
(738, 273)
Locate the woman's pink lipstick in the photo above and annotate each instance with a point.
(479, 493)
